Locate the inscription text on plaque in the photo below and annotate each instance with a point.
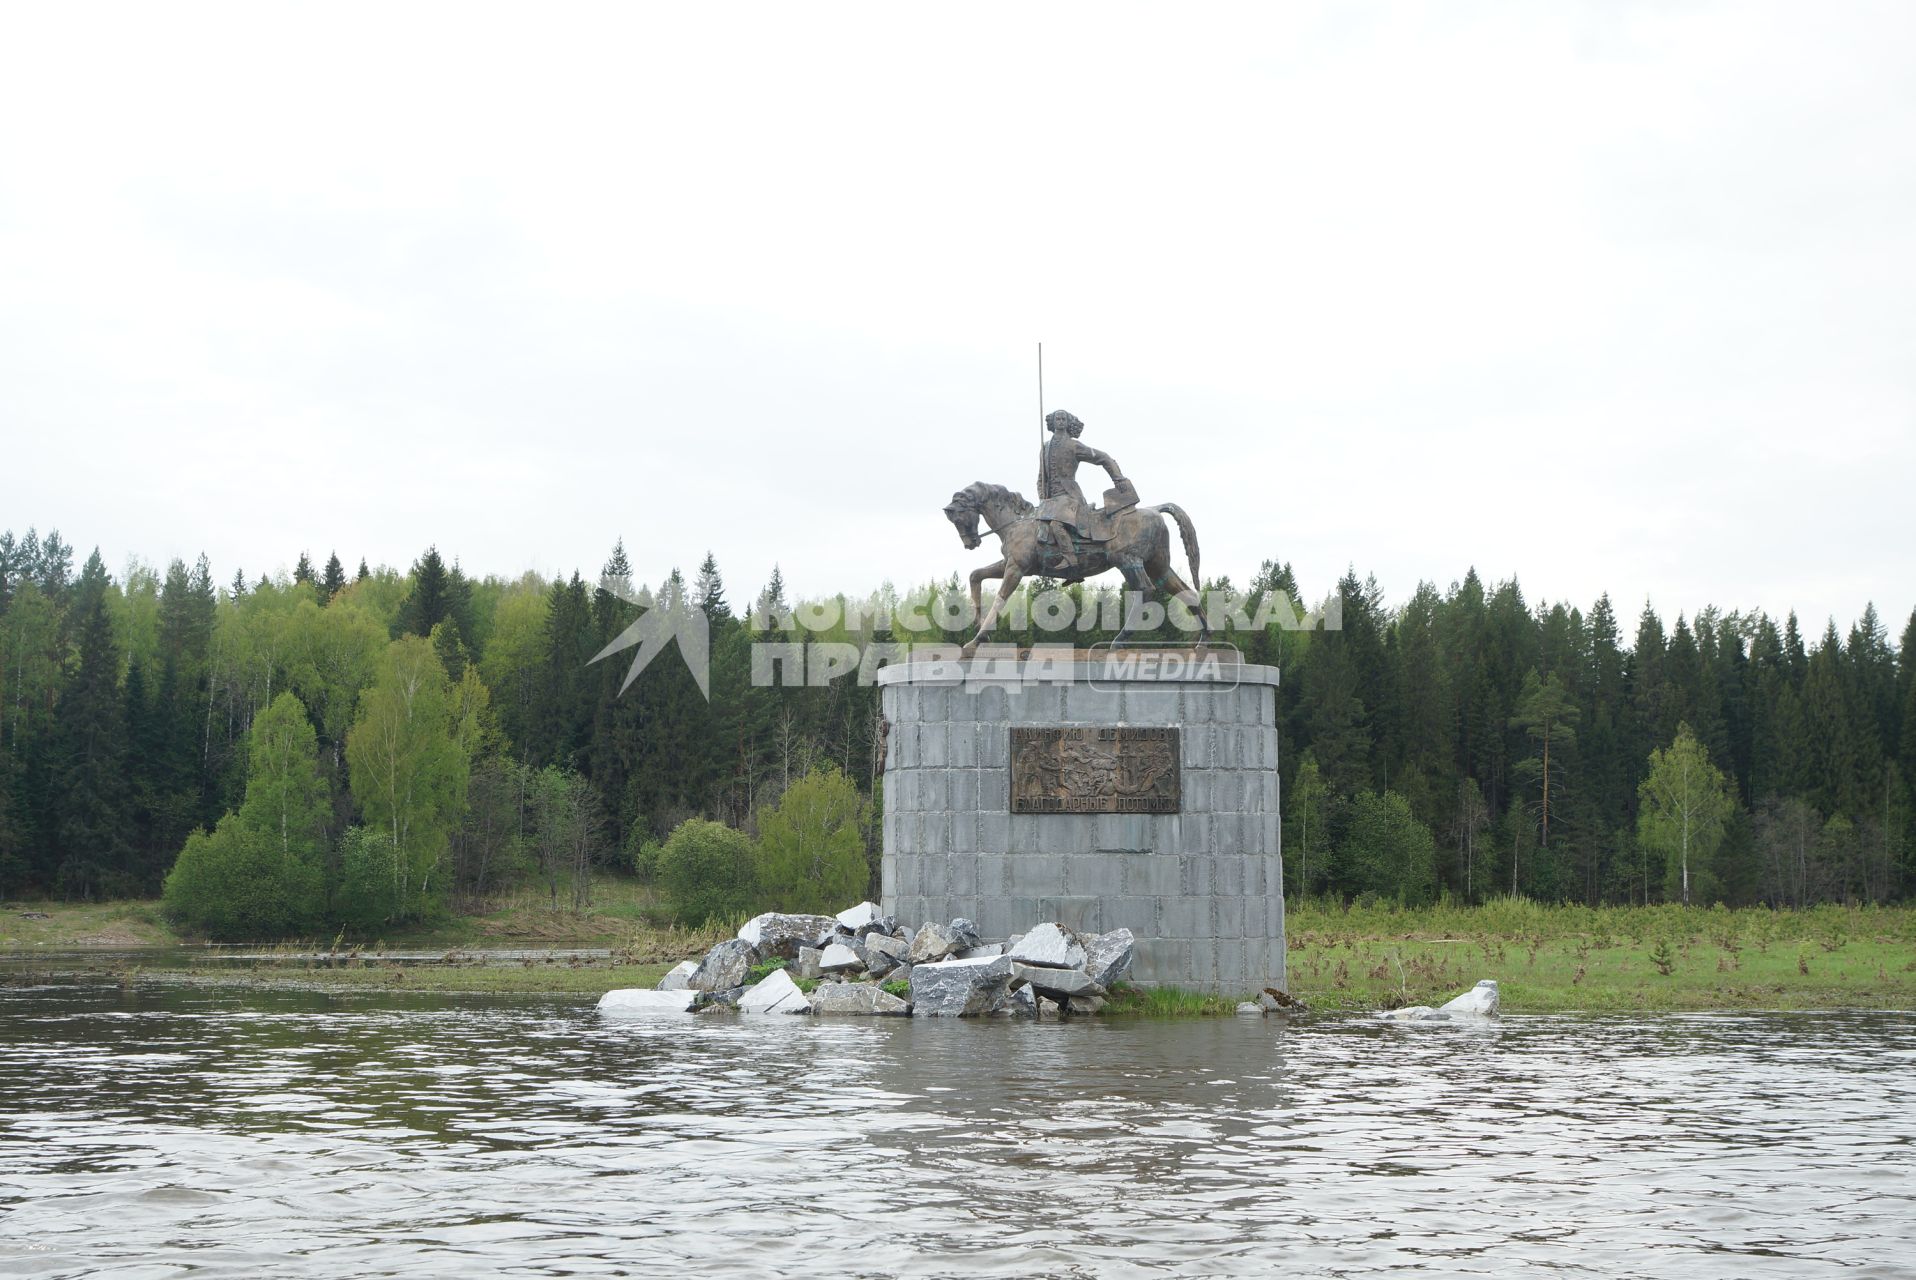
(1093, 769)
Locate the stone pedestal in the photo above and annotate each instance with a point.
(1202, 888)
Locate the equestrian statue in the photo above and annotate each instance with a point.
(1066, 539)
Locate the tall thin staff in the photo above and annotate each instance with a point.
(1041, 397)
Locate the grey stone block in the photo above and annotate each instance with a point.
(932, 741)
(991, 876)
(1065, 833)
(994, 832)
(961, 875)
(1227, 877)
(1197, 745)
(1074, 911)
(1228, 914)
(1036, 875)
(1184, 917)
(1095, 874)
(1122, 832)
(1157, 875)
(1157, 705)
(1086, 705)
(964, 831)
(962, 742)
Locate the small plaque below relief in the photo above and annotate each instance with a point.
(1092, 769)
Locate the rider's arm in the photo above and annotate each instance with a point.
(1087, 454)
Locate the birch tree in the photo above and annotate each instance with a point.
(1683, 806)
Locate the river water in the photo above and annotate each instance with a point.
(165, 1129)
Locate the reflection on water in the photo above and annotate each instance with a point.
(149, 1132)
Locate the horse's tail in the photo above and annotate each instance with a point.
(1188, 532)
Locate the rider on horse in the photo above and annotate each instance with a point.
(1061, 506)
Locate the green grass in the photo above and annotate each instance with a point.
(1546, 958)
(1563, 958)
(1127, 1001)
(71, 925)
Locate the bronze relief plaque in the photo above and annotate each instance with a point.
(1095, 769)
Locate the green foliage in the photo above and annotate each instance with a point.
(1386, 851)
(760, 972)
(811, 848)
(1685, 804)
(286, 798)
(900, 987)
(236, 884)
(409, 770)
(706, 870)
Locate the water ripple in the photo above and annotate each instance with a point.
(152, 1132)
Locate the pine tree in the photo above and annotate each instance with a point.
(1547, 715)
(364, 573)
(303, 571)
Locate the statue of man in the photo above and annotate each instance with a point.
(1061, 501)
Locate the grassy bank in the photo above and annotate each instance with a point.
(1561, 958)
(1546, 958)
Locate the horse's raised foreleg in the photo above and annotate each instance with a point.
(1012, 574)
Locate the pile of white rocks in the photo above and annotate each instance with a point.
(849, 959)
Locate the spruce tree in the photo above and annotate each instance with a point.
(303, 570)
(91, 807)
(364, 573)
(335, 580)
(709, 590)
(430, 599)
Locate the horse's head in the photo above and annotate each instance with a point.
(962, 511)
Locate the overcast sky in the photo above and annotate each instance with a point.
(1607, 296)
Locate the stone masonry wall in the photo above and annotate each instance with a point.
(1202, 890)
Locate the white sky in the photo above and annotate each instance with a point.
(1606, 296)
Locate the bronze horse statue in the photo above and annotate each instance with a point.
(1137, 547)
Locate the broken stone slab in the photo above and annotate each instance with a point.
(679, 976)
(806, 966)
(877, 944)
(776, 994)
(960, 988)
(879, 963)
(1107, 956)
(1245, 1009)
(966, 933)
(884, 926)
(932, 943)
(852, 918)
(1481, 1001)
(1412, 1013)
(1050, 945)
(839, 958)
(725, 965)
(987, 949)
(1083, 1004)
(1059, 984)
(637, 1001)
(856, 998)
(779, 936)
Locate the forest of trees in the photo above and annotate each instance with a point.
(396, 743)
